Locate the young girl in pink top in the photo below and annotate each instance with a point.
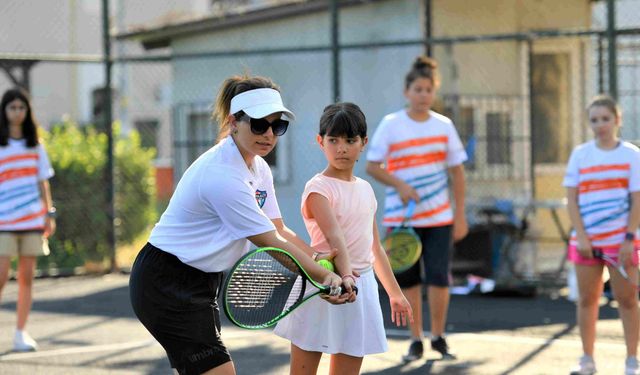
(339, 212)
(603, 195)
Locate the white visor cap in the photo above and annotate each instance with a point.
(259, 103)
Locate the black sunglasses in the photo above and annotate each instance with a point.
(260, 126)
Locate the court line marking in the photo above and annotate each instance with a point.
(237, 334)
(530, 340)
(78, 350)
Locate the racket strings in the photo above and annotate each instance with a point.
(263, 287)
(403, 249)
(402, 243)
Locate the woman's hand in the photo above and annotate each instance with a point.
(400, 310)
(330, 255)
(584, 246)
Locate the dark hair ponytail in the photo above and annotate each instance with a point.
(423, 67)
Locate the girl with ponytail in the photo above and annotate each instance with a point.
(416, 152)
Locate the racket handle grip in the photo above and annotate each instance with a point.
(411, 206)
(336, 291)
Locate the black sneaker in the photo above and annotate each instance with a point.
(439, 344)
(416, 349)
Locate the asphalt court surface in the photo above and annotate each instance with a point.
(85, 325)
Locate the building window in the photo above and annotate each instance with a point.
(201, 134)
(551, 108)
(498, 138)
(194, 133)
(148, 130)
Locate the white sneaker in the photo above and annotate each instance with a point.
(586, 366)
(22, 342)
(631, 366)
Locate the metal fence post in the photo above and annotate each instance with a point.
(108, 119)
(611, 40)
(335, 50)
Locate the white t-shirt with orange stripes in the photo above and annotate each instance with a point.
(21, 169)
(604, 179)
(419, 153)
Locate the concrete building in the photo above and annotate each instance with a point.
(486, 85)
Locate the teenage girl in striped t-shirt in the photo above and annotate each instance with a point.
(603, 193)
(26, 211)
(414, 151)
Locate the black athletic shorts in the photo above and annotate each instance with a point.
(437, 245)
(178, 305)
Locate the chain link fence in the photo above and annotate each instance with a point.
(516, 94)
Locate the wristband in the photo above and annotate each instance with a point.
(51, 213)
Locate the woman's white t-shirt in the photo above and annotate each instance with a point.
(217, 204)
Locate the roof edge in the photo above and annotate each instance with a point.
(160, 37)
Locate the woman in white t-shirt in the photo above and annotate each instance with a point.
(224, 201)
(26, 211)
(415, 151)
(603, 200)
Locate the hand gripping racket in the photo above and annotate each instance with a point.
(265, 285)
(598, 253)
(403, 245)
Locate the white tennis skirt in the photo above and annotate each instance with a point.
(355, 329)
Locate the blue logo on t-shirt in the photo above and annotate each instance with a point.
(261, 196)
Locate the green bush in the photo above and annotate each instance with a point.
(79, 188)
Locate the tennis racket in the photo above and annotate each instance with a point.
(266, 285)
(598, 253)
(403, 245)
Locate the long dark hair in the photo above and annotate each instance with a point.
(29, 125)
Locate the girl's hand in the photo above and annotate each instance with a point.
(49, 226)
(400, 310)
(584, 246)
(407, 193)
(460, 227)
(348, 283)
(625, 257)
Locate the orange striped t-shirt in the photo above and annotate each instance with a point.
(419, 153)
(604, 179)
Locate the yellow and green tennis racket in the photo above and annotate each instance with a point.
(403, 246)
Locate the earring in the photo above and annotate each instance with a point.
(235, 131)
